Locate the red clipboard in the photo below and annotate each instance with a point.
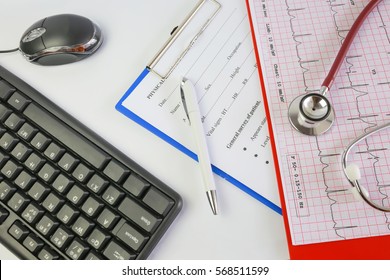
(371, 248)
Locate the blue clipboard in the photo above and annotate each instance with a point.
(130, 114)
(151, 69)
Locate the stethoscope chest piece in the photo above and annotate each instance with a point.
(311, 114)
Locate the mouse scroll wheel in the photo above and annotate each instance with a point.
(34, 34)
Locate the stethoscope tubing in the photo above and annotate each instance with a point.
(345, 46)
(354, 182)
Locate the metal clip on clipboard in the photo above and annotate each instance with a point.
(203, 13)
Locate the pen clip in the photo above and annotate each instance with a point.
(183, 99)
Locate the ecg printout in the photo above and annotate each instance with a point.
(297, 42)
(222, 66)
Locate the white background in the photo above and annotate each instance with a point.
(200, 270)
(89, 90)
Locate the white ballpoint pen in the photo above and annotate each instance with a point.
(191, 107)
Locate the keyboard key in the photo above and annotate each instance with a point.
(77, 195)
(5, 90)
(68, 162)
(8, 142)
(135, 185)
(92, 207)
(61, 237)
(4, 112)
(18, 202)
(48, 173)
(92, 256)
(116, 252)
(68, 137)
(32, 213)
(97, 184)
(82, 173)
(46, 225)
(33, 243)
(21, 152)
(11, 170)
(52, 203)
(62, 184)
(107, 219)
(18, 231)
(6, 191)
(38, 191)
(131, 237)
(139, 215)
(18, 101)
(14, 122)
(82, 226)
(40, 141)
(3, 159)
(34, 162)
(112, 195)
(54, 152)
(48, 254)
(116, 171)
(98, 238)
(27, 131)
(24, 180)
(76, 250)
(67, 214)
(157, 201)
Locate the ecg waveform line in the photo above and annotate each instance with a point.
(297, 37)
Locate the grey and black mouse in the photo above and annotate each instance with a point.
(60, 39)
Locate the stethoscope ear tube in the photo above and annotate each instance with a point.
(352, 171)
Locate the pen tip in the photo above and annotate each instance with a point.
(212, 197)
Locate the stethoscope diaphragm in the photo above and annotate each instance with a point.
(311, 114)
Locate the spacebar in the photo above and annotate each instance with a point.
(67, 136)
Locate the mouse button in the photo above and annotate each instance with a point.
(67, 30)
(30, 42)
(57, 59)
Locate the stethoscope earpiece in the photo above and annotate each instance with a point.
(353, 174)
(352, 171)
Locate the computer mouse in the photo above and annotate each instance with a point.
(60, 39)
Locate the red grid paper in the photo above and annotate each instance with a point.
(297, 41)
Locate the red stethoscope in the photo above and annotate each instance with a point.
(312, 114)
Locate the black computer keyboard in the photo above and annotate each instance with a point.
(65, 193)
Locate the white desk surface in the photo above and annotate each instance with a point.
(89, 90)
